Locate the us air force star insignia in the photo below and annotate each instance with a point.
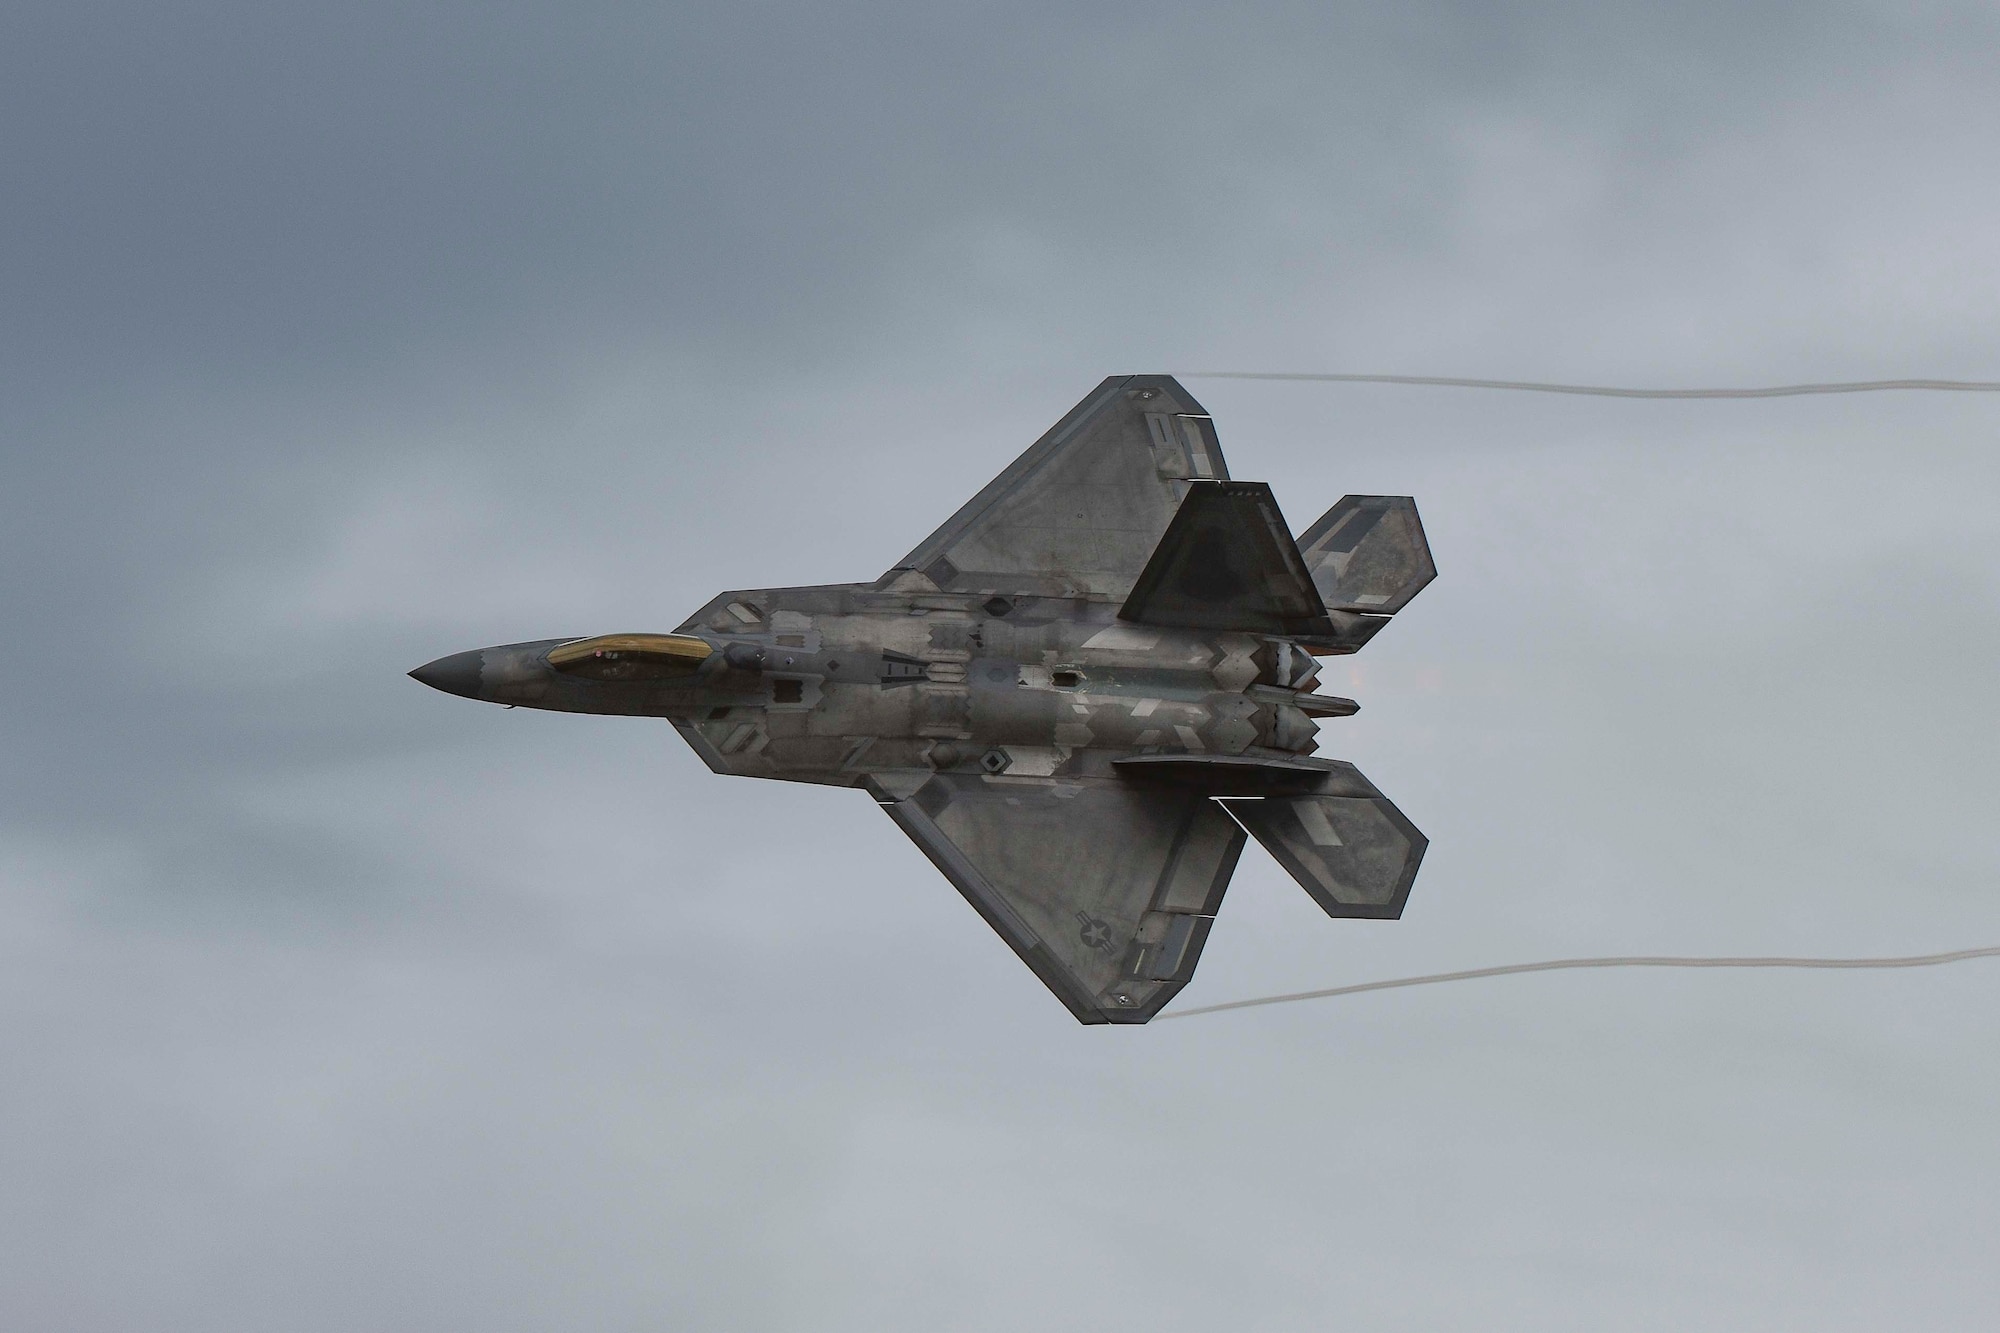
(1096, 934)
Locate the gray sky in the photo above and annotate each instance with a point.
(340, 337)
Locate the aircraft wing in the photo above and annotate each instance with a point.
(1080, 512)
(1106, 889)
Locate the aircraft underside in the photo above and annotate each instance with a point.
(1076, 697)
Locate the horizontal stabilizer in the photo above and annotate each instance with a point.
(1227, 562)
(1356, 855)
(1368, 554)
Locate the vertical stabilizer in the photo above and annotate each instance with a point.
(1227, 562)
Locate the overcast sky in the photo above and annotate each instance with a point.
(334, 338)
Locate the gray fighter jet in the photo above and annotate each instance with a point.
(1075, 696)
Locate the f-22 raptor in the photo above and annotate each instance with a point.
(1075, 696)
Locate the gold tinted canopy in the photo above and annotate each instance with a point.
(631, 656)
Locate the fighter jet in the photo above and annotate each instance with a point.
(1076, 696)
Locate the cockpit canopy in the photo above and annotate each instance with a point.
(631, 657)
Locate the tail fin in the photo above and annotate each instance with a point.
(1368, 554)
(1227, 562)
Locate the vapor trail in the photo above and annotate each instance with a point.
(1603, 391)
(1564, 964)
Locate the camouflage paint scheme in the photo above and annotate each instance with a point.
(1075, 696)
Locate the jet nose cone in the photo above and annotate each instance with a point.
(456, 674)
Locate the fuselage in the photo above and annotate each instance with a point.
(834, 683)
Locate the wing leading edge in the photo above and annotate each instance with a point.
(1106, 889)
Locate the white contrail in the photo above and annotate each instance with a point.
(1603, 391)
(1563, 964)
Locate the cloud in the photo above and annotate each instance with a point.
(340, 339)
